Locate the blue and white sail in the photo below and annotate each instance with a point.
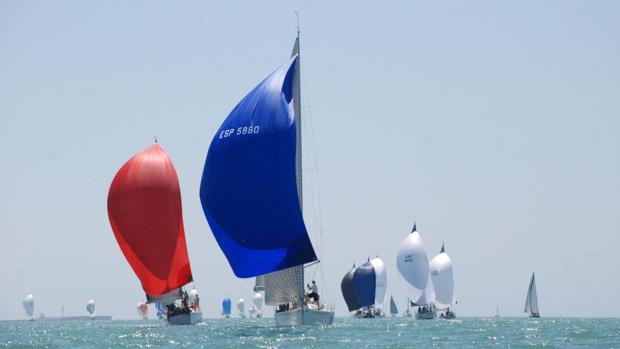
(249, 189)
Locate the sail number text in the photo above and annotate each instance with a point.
(239, 131)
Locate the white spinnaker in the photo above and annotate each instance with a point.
(531, 301)
(28, 304)
(143, 310)
(381, 282)
(258, 301)
(284, 286)
(412, 264)
(443, 280)
(241, 306)
(90, 307)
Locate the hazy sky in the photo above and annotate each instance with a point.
(494, 124)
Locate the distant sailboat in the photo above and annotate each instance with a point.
(90, 308)
(161, 313)
(393, 308)
(143, 310)
(28, 304)
(241, 308)
(226, 307)
(443, 283)
(258, 301)
(364, 289)
(412, 263)
(251, 194)
(497, 311)
(531, 300)
(144, 208)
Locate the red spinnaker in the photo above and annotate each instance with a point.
(144, 207)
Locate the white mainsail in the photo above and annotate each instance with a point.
(443, 279)
(412, 264)
(531, 300)
(381, 282)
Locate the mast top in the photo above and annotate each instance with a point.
(297, 27)
(442, 248)
(414, 228)
(155, 139)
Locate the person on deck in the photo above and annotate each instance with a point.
(314, 291)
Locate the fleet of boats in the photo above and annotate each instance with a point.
(252, 196)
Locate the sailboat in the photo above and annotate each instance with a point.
(380, 286)
(159, 307)
(364, 289)
(226, 307)
(144, 208)
(142, 308)
(28, 304)
(393, 308)
(497, 311)
(412, 263)
(241, 308)
(90, 308)
(258, 304)
(531, 300)
(251, 194)
(443, 283)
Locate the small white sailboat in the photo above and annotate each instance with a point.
(251, 194)
(412, 263)
(443, 282)
(497, 311)
(241, 308)
(531, 300)
(90, 308)
(143, 310)
(258, 301)
(28, 304)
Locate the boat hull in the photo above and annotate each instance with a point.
(534, 315)
(448, 315)
(191, 318)
(429, 315)
(301, 317)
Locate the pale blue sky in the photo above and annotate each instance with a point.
(495, 124)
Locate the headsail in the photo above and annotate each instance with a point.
(249, 189)
(531, 300)
(393, 308)
(144, 208)
(443, 279)
(348, 290)
(412, 263)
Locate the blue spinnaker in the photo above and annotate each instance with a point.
(248, 190)
(364, 281)
(226, 306)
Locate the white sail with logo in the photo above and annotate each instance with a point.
(412, 264)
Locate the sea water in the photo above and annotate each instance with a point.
(344, 333)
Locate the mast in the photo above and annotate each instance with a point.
(298, 155)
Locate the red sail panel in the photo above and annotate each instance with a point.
(144, 207)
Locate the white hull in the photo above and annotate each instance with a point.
(185, 319)
(448, 315)
(299, 317)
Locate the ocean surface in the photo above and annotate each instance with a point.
(345, 333)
